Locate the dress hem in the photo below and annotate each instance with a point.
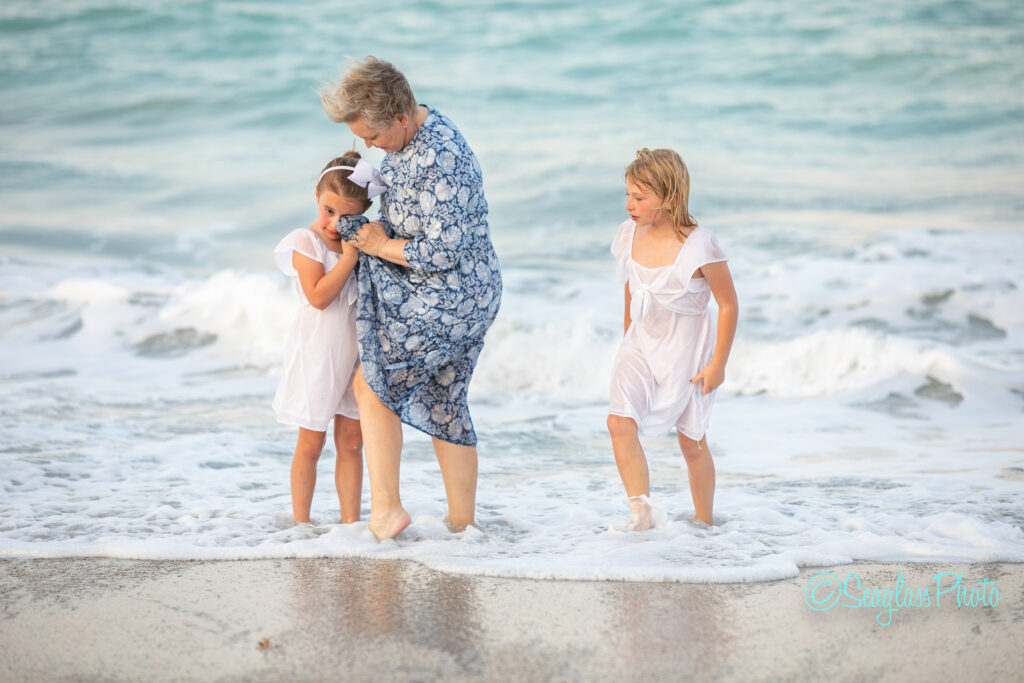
(397, 410)
(293, 421)
(647, 432)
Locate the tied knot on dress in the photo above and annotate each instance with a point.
(642, 297)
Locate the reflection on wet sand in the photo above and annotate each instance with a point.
(395, 607)
(373, 620)
(681, 627)
(452, 625)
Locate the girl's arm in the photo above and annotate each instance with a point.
(719, 279)
(319, 287)
(625, 320)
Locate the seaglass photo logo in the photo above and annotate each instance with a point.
(825, 591)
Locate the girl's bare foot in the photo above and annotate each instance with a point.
(640, 515)
(389, 525)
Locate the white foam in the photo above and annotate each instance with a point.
(249, 312)
(844, 361)
(759, 534)
(834, 440)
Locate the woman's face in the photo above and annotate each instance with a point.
(390, 139)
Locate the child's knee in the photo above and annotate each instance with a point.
(692, 449)
(349, 446)
(348, 438)
(621, 427)
(309, 452)
(309, 445)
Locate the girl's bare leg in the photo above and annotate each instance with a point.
(382, 441)
(459, 470)
(632, 464)
(348, 469)
(701, 471)
(307, 452)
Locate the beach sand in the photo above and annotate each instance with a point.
(354, 619)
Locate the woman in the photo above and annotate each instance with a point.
(427, 297)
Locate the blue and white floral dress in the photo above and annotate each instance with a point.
(421, 328)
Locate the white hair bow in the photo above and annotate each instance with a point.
(364, 175)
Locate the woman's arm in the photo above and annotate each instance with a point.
(319, 287)
(371, 239)
(451, 209)
(719, 279)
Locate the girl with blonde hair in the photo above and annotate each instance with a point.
(673, 355)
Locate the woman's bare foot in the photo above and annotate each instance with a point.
(389, 525)
(640, 517)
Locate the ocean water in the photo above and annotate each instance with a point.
(862, 164)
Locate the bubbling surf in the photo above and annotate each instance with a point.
(872, 405)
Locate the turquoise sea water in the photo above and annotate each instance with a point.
(862, 164)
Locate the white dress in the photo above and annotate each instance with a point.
(671, 337)
(320, 354)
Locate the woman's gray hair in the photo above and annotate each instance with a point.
(372, 89)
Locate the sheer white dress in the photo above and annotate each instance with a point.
(321, 354)
(671, 337)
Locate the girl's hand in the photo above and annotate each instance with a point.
(710, 377)
(349, 253)
(370, 239)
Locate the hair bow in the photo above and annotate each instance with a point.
(364, 175)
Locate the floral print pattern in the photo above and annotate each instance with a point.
(421, 328)
(348, 226)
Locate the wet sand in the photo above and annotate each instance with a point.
(355, 620)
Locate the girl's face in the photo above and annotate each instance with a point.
(390, 139)
(642, 205)
(332, 206)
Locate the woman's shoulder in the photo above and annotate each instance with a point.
(440, 132)
(438, 150)
(436, 120)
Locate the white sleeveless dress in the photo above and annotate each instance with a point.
(320, 354)
(671, 337)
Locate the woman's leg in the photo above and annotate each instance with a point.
(307, 452)
(382, 441)
(701, 471)
(348, 469)
(458, 469)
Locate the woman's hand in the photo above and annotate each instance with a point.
(710, 377)
(373, 240)
(370, 239)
